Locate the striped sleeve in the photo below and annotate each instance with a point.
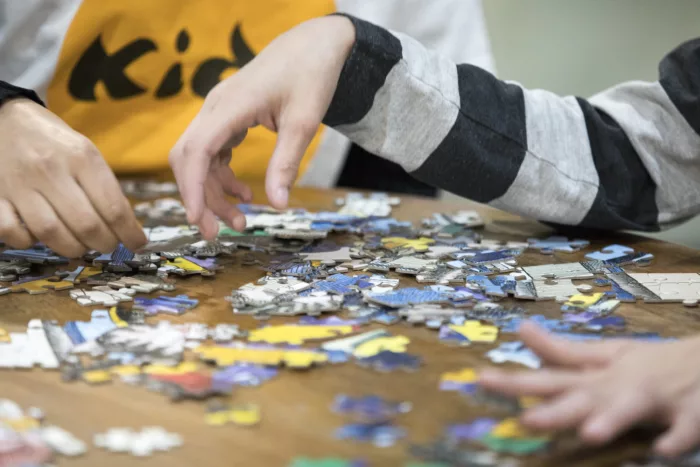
(628, 158)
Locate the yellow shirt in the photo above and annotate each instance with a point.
(132, 74)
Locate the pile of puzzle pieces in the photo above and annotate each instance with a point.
(338, 275)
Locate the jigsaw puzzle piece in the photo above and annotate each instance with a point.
(41, 285)
(486, 285)
(370, 348)
(610, 252)
(349, 344)
(219, 414)
(382, 434)
(408, 296)
(464, 381)
(229, 355)
(419, 245)
(27, 349)
(86, 331)
(387, 361)
(475, 331)
(515, 352)
(583, 302)
(326, 462)
(101, 295)
(38, 254)
(177, 305)
(296, 334)
(243, 374)
(556, 243)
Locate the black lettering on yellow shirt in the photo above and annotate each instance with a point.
(132, 74)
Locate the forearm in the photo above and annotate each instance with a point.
(531, 152)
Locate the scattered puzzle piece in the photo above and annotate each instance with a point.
(557, 244)
(169, 305)
(475, 331)
(421, 244)
(101, 295)
(390, 361)
(219, 414)
(296, 334)
(610, 252)
(370, 348)
(292, 358)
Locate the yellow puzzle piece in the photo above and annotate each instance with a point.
(126, 370)
(21, 424)
(243, 415)
(41, 286)
(187, 265)
(292, 358)
(467, 375)
(372, 347)
(296, 334)
(97, 376)
(475, 331)
(584, 301)
(4, 336)
(418, 244)
(181, 369)
(512, 429)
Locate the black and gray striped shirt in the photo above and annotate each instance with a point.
(627, 158)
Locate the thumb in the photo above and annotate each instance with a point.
(292, 140)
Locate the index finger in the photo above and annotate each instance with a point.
(102, 188)
(559, 351)
(210, 132)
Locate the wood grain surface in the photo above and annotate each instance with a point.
(296, 419)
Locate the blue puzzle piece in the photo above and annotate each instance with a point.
(390, 361)
(380, 434)
(117, 259)
(386, 318)
(369, 408)
(552, 325)
(242, 374)
(383, 226)
(493, 256)
(449, 336)
(337, 356)
(170, 305)
(86, 331)
(557, 244)
(486, 285)
(505, 282)
(618, 293)
(408, 296)
(206, 263)
(600, 282)
(605, 322)
(610, 252)
(514, 352)
(341, 284)
(38, 254)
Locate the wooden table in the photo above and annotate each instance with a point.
(297, 420)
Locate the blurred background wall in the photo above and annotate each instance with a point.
(583, 46)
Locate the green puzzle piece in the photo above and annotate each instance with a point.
(518, 446)
(229, 232)
(327, 462)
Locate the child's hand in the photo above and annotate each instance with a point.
(287, 88)
(603, 388)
